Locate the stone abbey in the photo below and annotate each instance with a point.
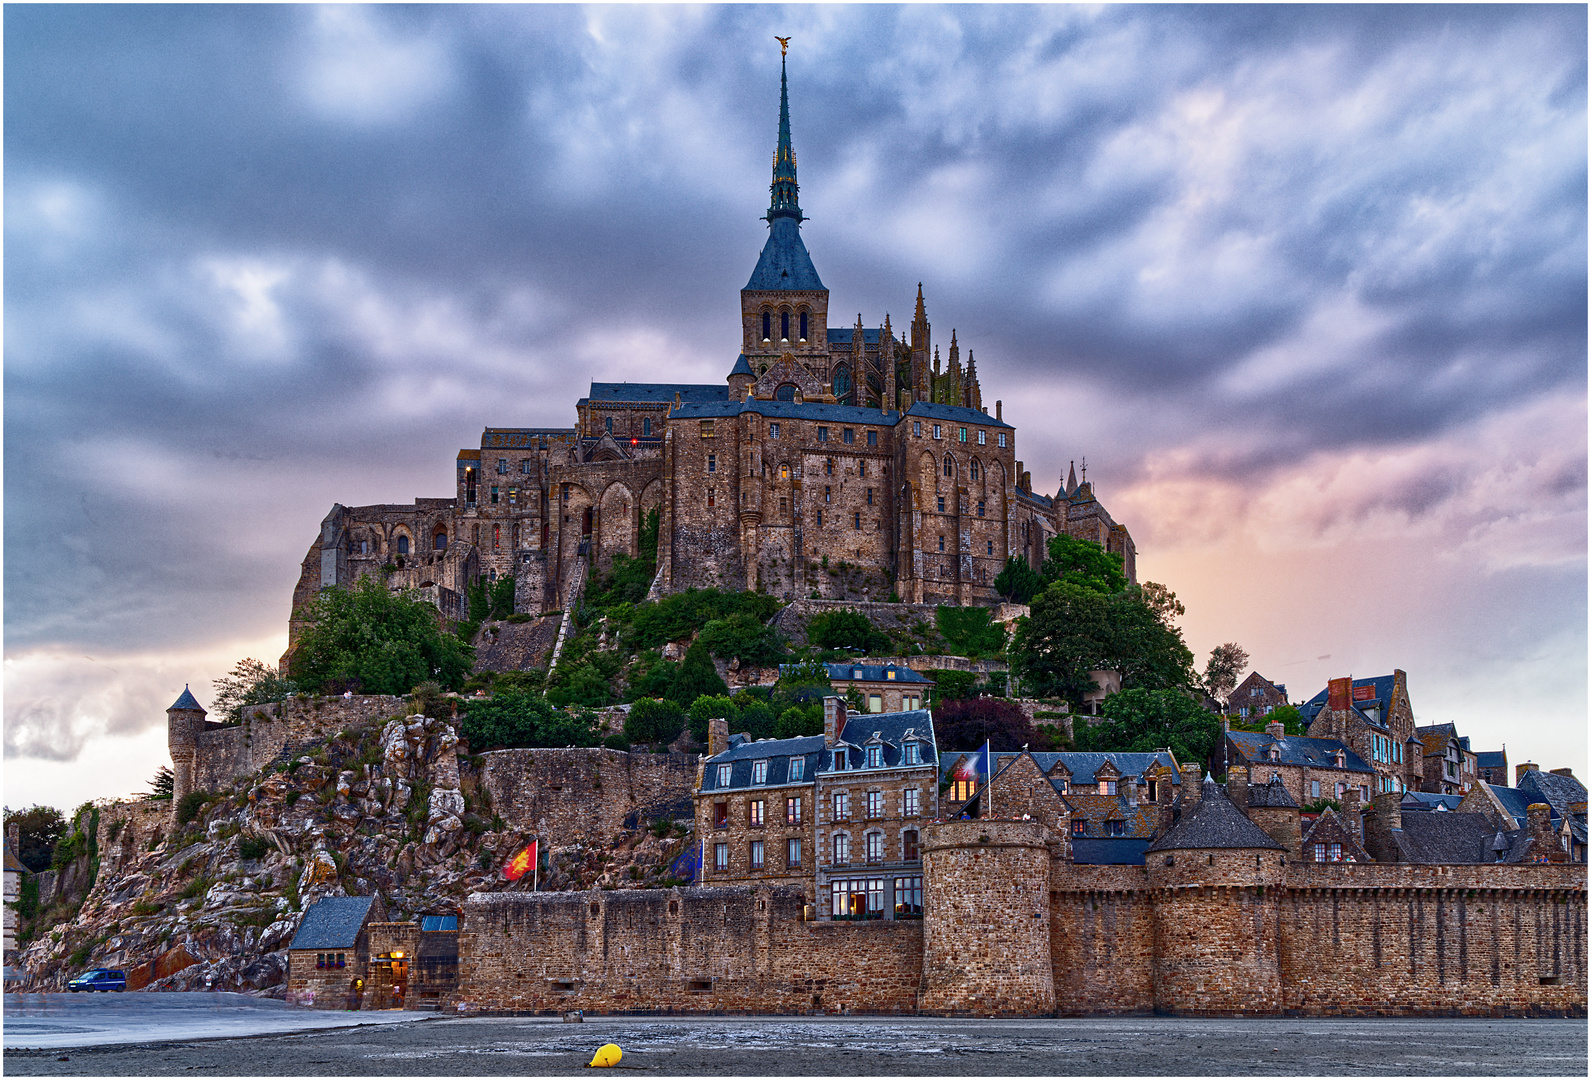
(844, 445)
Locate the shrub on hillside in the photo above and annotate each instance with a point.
(846, 629)
(963, 725)
(653, 720)
(514, 719)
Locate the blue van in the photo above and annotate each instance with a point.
(99, 979)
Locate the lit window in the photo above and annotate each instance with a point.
(792, 811)
(721, 815)
(875, 847)
(842, 806)
(755, 810)
(797, 768)
(961, 434)
(756, 854)
(723, 775)
(721, 858)
(911, 801)
(842, 850)
(909, 890)
(792, 853)
(1080, 827)
(773, 431)
(875, 804)
(707, 429)
(1320, 852)
(712, 497)
(759, 772)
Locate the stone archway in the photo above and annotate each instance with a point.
(615, 528)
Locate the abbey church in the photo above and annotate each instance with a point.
(838, 461)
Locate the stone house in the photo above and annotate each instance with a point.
(883, 687)
(328, 960)
(1449, 764)
(1311, 769)
(1492, 766)
(1330, 838)
(1257, 696)
(14, 873)
(1456, 836)
(1374, 719)
(846, 830)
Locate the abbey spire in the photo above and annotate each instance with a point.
(784, 187)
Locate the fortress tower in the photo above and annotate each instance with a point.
(1215, 881)
(986, 919)
(184, 721)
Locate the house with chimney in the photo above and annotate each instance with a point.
(1311, 769)
(1374, 719)
(1256, 696)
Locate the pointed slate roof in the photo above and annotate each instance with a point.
(784, 263)
(332, 923)
(1214, 824)
(741, 367)
(186, 701)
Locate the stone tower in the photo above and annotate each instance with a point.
(184, 721)
(785, 295)
(1215, 879)
(986, 919)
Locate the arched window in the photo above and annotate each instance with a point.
(784, 325)
(439, 541)
(842, 380)
(784, 472)
(786, 392)
(950, 467)
(403, 544)
(972, 470)
(767, 325)
(803, 326)
(607, 423)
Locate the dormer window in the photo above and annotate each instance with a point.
(890, 673)
(1107, 787)
(913, 754)
(798, 768)
(1274, 754)
(875, 757)
(723, 775)
(839, 760)
(759, 772)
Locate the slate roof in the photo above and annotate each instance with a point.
(793, 410)
(859, 729)
(1254, 746)
(1554, 790)
(846, 335)
(1215, 823)
(954, 414)
(1109, 850)
(1083, 764)
(1446, 838)
(332, 923)
(1382, 686)
(784, 262)
(874, 673)
(1491, 759)
(656, 393)
(1138, 821)
(742, 367)
(1513, 800)
(186, 701)
(1271, 793)
(13, 865)
(1425, 800)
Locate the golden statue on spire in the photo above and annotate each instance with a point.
(784, 44)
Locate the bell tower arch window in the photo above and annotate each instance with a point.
(784, 325)
(786, 392)
(842, 381)
(803, 326)
(767, 325)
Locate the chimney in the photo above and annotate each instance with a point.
(997, 405)
(1353, 818)
(14, 836)
(1564, 772)
(1339, 694)
(1276, 729)
(834, 716)
(717, 736)
(1521, 769)
(1237, 785)
(1192, 787)
(1386, 818)
(1538, 817)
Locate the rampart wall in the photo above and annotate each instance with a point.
(577, 794)
(737, 949)
(224, 753)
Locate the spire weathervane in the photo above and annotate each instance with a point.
(784, 45)
(784, 188)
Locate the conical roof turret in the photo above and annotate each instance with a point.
(186, 702)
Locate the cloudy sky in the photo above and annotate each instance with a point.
(1306, 286)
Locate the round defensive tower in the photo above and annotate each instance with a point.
(184, 721)
(1215, 880)
(986, 919)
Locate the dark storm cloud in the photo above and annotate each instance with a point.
(263, 258)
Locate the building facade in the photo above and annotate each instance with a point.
(825, 446)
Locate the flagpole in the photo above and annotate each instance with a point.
(988, 783)
(535, 865)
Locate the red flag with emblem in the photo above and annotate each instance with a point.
(520, 864)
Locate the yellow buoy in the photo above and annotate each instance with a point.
(607, 1057)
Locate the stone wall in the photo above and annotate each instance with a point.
(1102, 939)
(735, 949)
(225, 753)
(592, 794)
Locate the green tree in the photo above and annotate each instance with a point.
(251, 682)
(516, 719)
(653, 720)
(387, 641)
(970, 631)
(1083, 563)
(580, 684)
(1018, 582)
(1149, 654)
(1066, 635)
(951, 685)
(1163, 602)
(162, 785)
(845, 629)
(1221, 673)
(1138, 721)
(39, 830)
(696, 676)
(741, 637)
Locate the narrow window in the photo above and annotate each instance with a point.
(847, 436)
(712, 463)
(861, 468)
(754, 813)
(842, 806)
(494, 494)
(403, 541)
(1080, 827)
(797, 768)
(911, 801)
(759, 772)
(941, 541)
(803, 326)
(773, 431)
(823, 434)
(607, 423)
(767, 327)
(858, 523)
(1002, 438)
(980, 438)
(646, 428)
(991, 547)
(912, 703)
(961, 434)
(875, 847)
(756, 854)
(872, 438)
(941, 505)
(917, 428)
(950, 467)
(825, 493)
(875, 800)
(842, 850)
(869, 496)
(784, 472)
(792, 853)
(723, 775)
(820, 519)
(712, 497)
(913, 754)
(497, 537)
(936, 431)
(783, 504)
(980, 507)
(784, 325)
(1320, 852)
(721, 858)
(908, 841)
(792, 810)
